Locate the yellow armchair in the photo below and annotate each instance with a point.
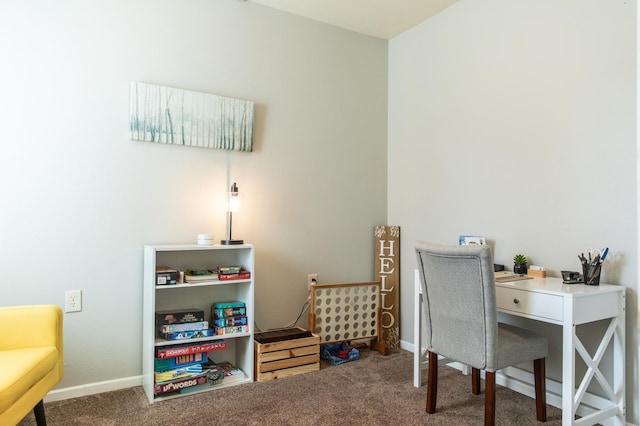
(31, 359)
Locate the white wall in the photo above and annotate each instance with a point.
(79, 199)
(516, 120)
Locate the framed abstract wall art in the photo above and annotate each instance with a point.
(183, 117)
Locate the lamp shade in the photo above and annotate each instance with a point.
(234, 199)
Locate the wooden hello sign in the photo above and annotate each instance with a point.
(387, 271)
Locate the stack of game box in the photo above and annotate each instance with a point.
(199, 275)
(182, 324)
(178, 368)
(228, 273)
(229, 318)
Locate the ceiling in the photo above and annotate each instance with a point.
(378, 18)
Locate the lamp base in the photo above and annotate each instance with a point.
(231, 242)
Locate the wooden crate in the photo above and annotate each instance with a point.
(286, 358)
(537, 273)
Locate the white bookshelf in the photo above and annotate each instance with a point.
(239, 350)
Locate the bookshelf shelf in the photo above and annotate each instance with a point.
(201, 295)
(200, 284)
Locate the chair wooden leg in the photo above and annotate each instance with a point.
(432, 382)
(489, 398)
(38, 411)
(475, 381)
(539, 375)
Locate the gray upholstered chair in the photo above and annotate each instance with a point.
(458, 286)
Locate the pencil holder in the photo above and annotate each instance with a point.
(591, 273)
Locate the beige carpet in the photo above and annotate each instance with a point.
(374, 390)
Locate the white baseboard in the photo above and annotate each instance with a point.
(406, 346)
(93, 388)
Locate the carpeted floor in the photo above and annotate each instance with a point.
(374, 390)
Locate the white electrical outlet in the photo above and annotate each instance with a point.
(312, 279)
(73, 301)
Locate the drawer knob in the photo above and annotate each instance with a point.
(516, 301)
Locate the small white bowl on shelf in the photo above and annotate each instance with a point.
(205, 239)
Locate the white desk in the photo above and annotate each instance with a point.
(566, 305)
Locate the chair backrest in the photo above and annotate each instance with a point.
(458, 286)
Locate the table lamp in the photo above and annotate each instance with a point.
(234, 206)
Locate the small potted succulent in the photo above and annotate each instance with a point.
(520, 264)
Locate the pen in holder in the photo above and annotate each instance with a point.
(591, 273)
(592, 266)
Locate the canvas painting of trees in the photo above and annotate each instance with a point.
(183, 117)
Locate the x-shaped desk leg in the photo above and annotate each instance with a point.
(593, 370)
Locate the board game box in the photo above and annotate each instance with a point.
(174, 351)
(221, 331)
(228, 309)
(179, 361)
(184, 335)
(231, 321)
(175, 385)
(174, 316)
(187, 326)
(166, 276)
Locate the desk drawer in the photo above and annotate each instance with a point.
(527, 303)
